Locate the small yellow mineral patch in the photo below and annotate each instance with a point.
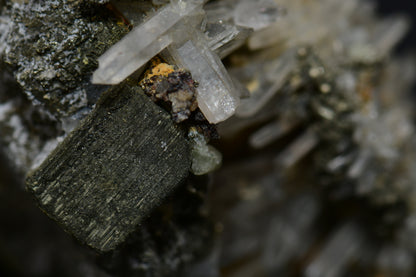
(163, 69)
(253, 85)
(167, 83)
(159, 68)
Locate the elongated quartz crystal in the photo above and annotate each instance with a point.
(141, 44)
(297, 150)
(272, 76)
(256, 14)
(216, 95)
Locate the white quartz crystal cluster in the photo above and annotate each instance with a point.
(195, 40)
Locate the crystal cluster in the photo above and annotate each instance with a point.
(315, 173)
(179, 28)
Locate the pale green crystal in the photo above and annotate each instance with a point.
(205, 158)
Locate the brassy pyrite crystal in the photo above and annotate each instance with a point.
(205, 138)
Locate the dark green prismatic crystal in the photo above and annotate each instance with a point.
(110, 172)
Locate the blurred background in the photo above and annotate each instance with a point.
(408, 7)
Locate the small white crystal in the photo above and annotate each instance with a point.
(389, 33)
(331, 262)
(216, 95)
(256, 14)
(224, 38)
(270, 77)
(297, 149)
(205, 158)
(305, 24)
(271, 132)
(223, 34)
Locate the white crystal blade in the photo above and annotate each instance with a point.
(256, 14)
(276, 74)
(297, 149)
(126, 56)
(115, 72)
(271, 132)
(216, 93)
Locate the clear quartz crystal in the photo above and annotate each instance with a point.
(223, 38)
(389, 33)
(141, 44)
(297, 149)
(216, 95)
(271, 132)
(331, 261)
(256, 14)
(304, 23)
(270, 77)
(291, 232)
(229, 23)
(223, 34)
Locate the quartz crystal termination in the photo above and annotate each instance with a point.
(190, 47)
(216, 94)
(110, 172)
(147, 40)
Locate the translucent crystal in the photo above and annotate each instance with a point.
(256, 14)
(216, 95)
(304, 23)
(268, 79)
(223, 34)
(136, 14)
(370, 49)
(339, 161)
(396, 261)
(297, 150)
(223, 38)
(271, 132)
(205, 158)
(389, 33)
(141, 44)
(342, 247)
(291, 233)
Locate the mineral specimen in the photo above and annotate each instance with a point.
(205, 158)
(111, 171)
(164, 82)
(315, 169)
(154, 35)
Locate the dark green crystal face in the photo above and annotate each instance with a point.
(110, 172)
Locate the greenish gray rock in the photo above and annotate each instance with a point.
(53, 47)
(110, 172)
